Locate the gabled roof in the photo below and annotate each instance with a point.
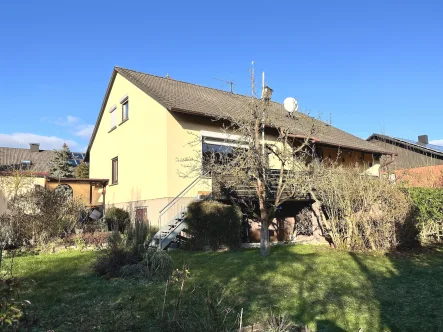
(14, 157)
(190, 98)
(436, 150)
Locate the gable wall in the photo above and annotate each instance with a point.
(140, 144)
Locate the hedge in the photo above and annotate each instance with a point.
(213, 225)
(428, 204)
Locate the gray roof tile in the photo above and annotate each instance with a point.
(13, 157)
(191, 98)
(185, 97)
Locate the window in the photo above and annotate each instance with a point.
(115, 170)
(26, 164)
(125, 110)
(221, 152)
(113, 117)
(216, 154)
(141, 214)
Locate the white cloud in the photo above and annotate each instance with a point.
(437, 142)
(84, 131)
(72, 119)
(65, 121)
(22, 140)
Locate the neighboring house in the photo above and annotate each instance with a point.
(145, 124)
(32, 159)
(36, 163)
(407, 153)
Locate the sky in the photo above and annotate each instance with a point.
(369, 66)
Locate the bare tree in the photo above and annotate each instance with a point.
(267, 151)
(356, 210)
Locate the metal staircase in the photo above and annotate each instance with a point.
(177, 209)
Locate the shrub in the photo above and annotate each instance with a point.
(129, 257)
(136, 238)
(151, 232)
(117, 219)
(158, 264)
(14, 314)
(111, 259)
(10, 311)
(213, 224)
(428, 204)
(36, 217)
(361, 212)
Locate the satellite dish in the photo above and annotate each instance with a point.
(291, 105)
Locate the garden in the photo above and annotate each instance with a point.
(62, 274)
(327, 290)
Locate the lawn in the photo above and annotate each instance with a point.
(326, 289)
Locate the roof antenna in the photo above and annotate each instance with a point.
(227, 82)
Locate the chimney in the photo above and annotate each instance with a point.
(267, 93)
(34, 147)
(423, 139)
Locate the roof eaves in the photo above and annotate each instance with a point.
(125, 73)
(102, 109)
(397, 140)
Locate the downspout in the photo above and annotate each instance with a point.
(104, 200)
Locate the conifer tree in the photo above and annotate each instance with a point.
(59, 164)
(82, 171)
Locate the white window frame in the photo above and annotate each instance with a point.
(113, 117)
(125, 102)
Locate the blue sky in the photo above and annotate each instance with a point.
(373, 66)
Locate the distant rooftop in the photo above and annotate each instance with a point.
(426, 147)
(33, 159)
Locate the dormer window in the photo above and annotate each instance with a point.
(26, 164)
(125, 108)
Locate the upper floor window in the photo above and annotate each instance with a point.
(125, 108)
(113, 117)
(125, 111)
(115, 170)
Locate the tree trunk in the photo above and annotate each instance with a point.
(264, 239)
(261, 194)
(264, 219)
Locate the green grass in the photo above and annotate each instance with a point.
(326, 289)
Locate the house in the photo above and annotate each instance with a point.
(33, 159)
(407, 153)
(35, 164)
(145, 124)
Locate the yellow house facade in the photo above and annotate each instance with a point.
(145, 126)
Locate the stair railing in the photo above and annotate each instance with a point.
(177, 206)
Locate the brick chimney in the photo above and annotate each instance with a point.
(34, 147)
(423, 139)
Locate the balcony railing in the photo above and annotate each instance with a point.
(226, 187)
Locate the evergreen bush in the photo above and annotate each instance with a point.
(213, 225)
(117, 219)
(428, 205)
